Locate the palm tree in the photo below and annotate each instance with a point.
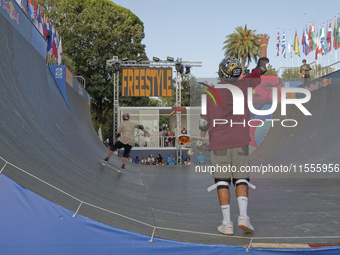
(243, 44)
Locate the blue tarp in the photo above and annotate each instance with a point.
(31, 224)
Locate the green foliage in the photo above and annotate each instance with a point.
(271, 71)
(243, 44)
(187, 82)
(92, 32)
(293, 73)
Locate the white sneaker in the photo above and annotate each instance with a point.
(244, 224)
(226, 229)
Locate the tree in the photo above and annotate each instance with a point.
(92, 32)
(243, 45)
(271, 71)
(187, 92)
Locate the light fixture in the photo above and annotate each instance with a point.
(155, 59)
(116, 67)
(125, 59)
(187, 69)
(139, 59)
(170, 59)
(179, 68)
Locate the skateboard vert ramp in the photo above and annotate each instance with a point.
(53, 150)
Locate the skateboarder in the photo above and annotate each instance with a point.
(126, 133)
(229, 143)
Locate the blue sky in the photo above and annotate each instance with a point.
(196, 30)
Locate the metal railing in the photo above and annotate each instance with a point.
(293, 73)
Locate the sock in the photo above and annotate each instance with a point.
(243, 205)
(226, 213)
(106, 159)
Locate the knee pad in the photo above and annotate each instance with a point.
(220, 184)
(243, 182)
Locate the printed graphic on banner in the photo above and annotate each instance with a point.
(9, 7)
(58, 73)
(146, 82)
(318, 85)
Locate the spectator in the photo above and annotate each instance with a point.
(171, 160)
(304, 70)
(187, 161)
(164, 132)
(160, 160)
(171, 139)
(130, 159)
(143, 161)
(151, 160)
(184, 131)
(136, 160)
(200, 159)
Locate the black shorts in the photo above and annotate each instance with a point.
(119, 145)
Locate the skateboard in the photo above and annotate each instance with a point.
(193, 143)
(112, 167)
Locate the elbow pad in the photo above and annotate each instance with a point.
(263, 65)
(141, 127)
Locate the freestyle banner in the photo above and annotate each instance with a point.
(146, 82)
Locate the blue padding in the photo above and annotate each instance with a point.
(59, 74)
(31, 224)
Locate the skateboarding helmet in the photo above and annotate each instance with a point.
(126, 116)
(230, 69)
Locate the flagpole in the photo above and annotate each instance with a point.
(291, 50)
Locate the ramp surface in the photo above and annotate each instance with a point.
(53, 150)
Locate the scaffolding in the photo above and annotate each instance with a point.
(114, 65)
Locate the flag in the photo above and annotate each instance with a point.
(283, 53)
(55, 44)
(310, 38)
(296, 45)
(303, 42)
(289, 46)
(329, 37)
(60, 51)
(24, 6)
(319, 49)
(306, 43)
(313, 37)
(30, 9)
(317, 44)
(36, 14)
(323, 40)
(335, 35)
(278, 43)
(40, 21)
(338, 37)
